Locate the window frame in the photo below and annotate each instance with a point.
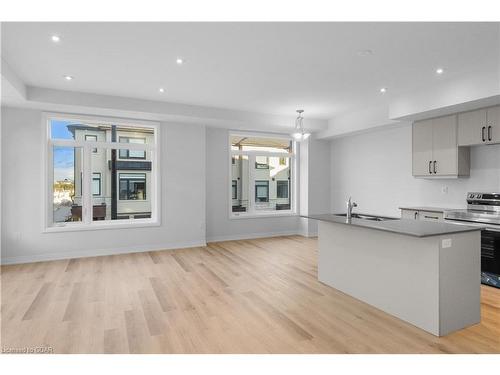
(251, 154)
(48, 225)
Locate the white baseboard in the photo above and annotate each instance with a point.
(99, 252)
(145, 248)
(249, 236)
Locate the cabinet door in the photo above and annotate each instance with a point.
(422, 147)
(493, 124)
(409, 214)
(470, 127)
(444, 142)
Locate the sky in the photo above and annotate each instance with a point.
(64, 157)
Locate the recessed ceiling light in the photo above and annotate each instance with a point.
(68, 78)
(383, 90)
(55, 38)
(439, 70)
(161, 89)
(179, 61)
(365, 52)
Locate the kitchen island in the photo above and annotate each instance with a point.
(425, 273)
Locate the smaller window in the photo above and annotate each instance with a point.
(235, 189)
(132, 154)
(91, 138)
(132, 186)
(96, 184)
(261, 162)
(261, 191)
(282, 189)
(233, 160)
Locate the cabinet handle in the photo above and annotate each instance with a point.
(489, 133)
(435, 166)
(430, 162)
(416, 214)
(482, 133)
(431, 217)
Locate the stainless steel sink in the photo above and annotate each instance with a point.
(367, 217)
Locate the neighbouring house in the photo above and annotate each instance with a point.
(121, 178)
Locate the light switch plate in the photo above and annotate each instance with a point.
(446, 243)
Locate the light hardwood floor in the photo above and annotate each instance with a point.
(253, 296)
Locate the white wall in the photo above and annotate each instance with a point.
(314, 182)
(375, 168)
(182, 191)
(219, 225)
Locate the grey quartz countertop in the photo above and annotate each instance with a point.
(426, 208)
(409, 227)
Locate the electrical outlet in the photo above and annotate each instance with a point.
(446, 243)
(444, 189)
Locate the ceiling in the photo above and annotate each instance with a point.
(271, 68)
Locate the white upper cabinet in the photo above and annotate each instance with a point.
(422, 148)
(435, 149)
(479, 127)
(444, 146)
(493, 125)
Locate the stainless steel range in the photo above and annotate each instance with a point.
(484, 209)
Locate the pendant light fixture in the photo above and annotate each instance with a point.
(300, 134)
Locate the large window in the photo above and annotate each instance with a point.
(116, 184)
(262, 166)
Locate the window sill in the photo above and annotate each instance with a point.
(124, 224)
(263, 215)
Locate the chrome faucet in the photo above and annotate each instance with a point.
(350, 206)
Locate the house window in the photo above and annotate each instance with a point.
(234, 188)
(86, 190)
(133, 186)
(91, 138)
(282, 189)
(261, 162)
(96, 184)
(262, 191)
(132, 154)
(264, 174)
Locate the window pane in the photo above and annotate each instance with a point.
(239, 174)
(272, 185)
(96, 184)
(235, 189)
(91, 138)
(261, 162)
(125, 186)
(67, 163)
(133, 154)
(261, 144)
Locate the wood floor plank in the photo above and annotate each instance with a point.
(248, 296)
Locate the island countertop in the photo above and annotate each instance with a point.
(409, 227)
